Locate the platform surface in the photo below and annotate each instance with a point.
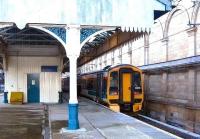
(98, 122)
(22, 121)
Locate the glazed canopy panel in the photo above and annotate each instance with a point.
(125, 13)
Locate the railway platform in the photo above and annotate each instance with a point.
(26, 121)
(99, 122)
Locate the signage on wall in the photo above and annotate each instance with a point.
(33, 82)
(49, 68)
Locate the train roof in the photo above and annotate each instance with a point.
(107, 68)
(93, 72)
(116, 66)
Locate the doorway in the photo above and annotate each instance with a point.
(126, 87)
(33, 88)
(126, 95)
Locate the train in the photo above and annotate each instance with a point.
(119, 87)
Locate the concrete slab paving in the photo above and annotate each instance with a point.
(101, 123)
(22, 121)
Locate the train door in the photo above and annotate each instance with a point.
(104, 87)
(125, 85)
(99, 85)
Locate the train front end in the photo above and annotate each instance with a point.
(125, 88)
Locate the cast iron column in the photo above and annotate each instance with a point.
(73, 46)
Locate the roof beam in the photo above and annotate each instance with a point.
(24, 34)
(102, 36)
(6, 29)
(105, 34)
(17, 33)
(21, 40)
(34, 43)
(100, 39)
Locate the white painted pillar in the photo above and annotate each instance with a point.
(73, 48)
(73, 52)
(73, 79)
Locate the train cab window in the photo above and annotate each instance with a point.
(137, 82)
(114, 85)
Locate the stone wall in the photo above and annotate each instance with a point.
(173, 96)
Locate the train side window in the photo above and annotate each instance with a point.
(83, 83)
(114, 83)
(137, 82)
(89, 85)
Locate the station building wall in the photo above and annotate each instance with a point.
(172, 96)
(20, 66)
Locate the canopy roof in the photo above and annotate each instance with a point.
(27, 36)
(125, 13)
(12, 35)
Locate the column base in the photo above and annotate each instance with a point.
(73, 122)
(66, 130)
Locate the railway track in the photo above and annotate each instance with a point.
(169, 128)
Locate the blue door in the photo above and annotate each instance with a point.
(33, 88)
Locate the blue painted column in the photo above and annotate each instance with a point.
(73, 52)
(73, 122)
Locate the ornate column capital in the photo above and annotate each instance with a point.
(72, 26)
(73, 46)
